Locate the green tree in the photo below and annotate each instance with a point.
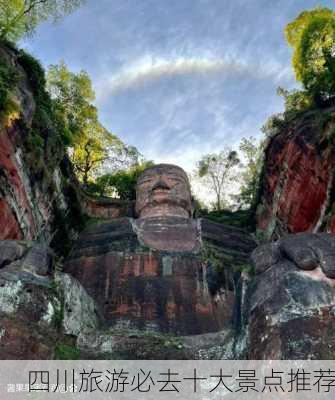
(122, 183)
(312, 37)
(93, 149)
(252, 152)
(21, 17)
(295, 100)
(73, 97)
(218, 170)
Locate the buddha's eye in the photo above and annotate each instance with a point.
(143, 181)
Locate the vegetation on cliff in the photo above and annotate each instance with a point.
(121, 184)
(312, 37)
(102, 162)
(21, 17)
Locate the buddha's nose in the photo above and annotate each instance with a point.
(160, 184)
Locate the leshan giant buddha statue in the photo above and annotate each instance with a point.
(164, 270)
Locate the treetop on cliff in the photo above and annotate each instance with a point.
(312, 37)
(19, 18)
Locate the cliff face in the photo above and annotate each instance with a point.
(297, 192)
(37, 199)
(125, 294)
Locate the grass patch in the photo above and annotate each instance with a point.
(66, 352)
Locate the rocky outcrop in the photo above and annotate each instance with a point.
(289, 308)
(40, 309)
(297, 193)
(28, 305)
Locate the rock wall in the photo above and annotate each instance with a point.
(41, 310)
(38, 196)
(297, 193)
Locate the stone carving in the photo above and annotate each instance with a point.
(151, 272)
(163, 190)
(164, 207)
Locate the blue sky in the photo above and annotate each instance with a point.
(178, 78)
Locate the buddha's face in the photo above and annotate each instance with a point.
(163, 190)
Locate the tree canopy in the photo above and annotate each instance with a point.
(21, 17)
(252, 152)
(312, 37)
(73, 97)
(122, 183)
(218, 170)
(93, 149)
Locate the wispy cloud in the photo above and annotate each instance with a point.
(150, 69)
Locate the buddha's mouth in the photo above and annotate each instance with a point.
(160, 192)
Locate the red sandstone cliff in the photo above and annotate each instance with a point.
(297, 187)
(37, 200)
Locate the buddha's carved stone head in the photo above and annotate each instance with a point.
(163, 190)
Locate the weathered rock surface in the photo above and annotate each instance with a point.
(39, 311)
(297, 188)
(79, 310)
(28, 304)
(140, 345)
(290, 304)
(106, 208)
(38, 196)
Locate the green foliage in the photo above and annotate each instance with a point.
(35, 143)
(58, 316)
(312, 36)
(66, 352)
(211, 256)
(44, 116)
(66, 222)
(240, 218)
(296, 101)
(44, 121)
(21, 17)
(93, 148)
(72, 96)
(121, 184)
(8, 80)
(274, 125)
(253, 162)
(218, 170)
(222, 262)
